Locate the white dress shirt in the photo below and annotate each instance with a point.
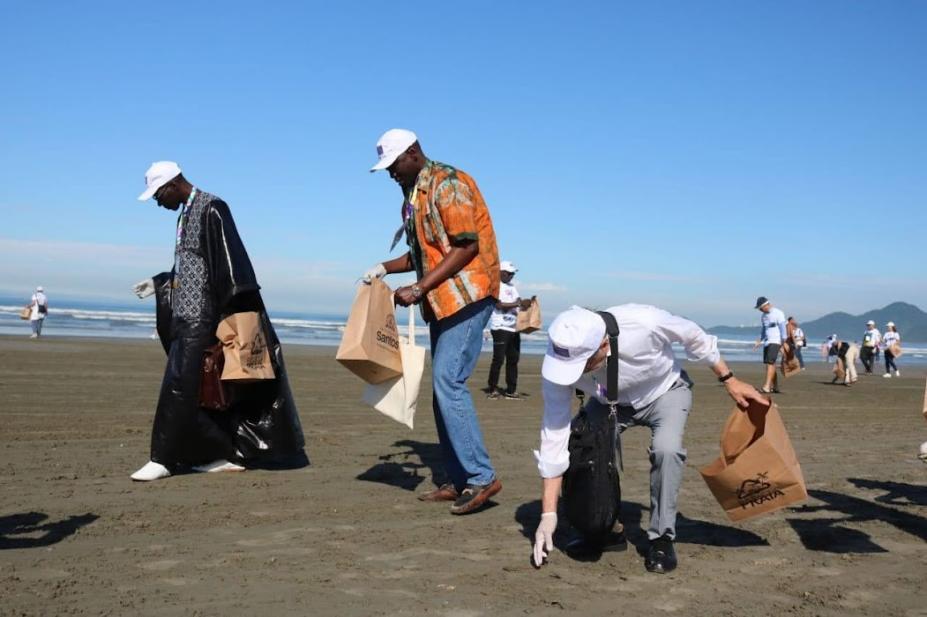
(647, 368)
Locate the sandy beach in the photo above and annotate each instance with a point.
(346, 536)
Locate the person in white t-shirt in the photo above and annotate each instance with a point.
(772, 334)
(890, 339)
(506, 341)
(796, 338)
(39, 307)
(872, 338)
(653, 391)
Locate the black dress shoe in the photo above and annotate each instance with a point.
(661, 558)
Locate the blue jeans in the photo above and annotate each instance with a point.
(456, 342)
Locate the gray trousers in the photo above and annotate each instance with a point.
(666, 417)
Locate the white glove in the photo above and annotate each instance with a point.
(145, 288)
(376, 272)
(544, 538)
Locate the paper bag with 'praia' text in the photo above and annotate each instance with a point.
(758, 471)
(370, 343)
(244, 347)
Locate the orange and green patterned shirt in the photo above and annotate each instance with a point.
(447, 208)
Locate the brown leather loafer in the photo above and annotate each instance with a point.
(474, 497)
(445, 492)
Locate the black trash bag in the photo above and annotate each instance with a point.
(591, 493)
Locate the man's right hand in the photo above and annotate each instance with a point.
(376, 272)
(144, 288)
(544, 539)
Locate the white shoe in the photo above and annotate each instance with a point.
(897, 373)
(889, 375)
(217, 466)
(151, 471)
(33, 336)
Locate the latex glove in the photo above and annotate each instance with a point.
(544, 538)
(376, 272)
(144, 288)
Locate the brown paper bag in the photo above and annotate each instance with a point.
(244, 347)
(370, 343)
(26, 313)
(529, 320)
(789, 363)
(896, 350)
(840, 373)
(757, 471)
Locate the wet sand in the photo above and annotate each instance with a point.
(347, 536)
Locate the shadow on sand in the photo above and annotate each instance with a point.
(29, 529)
(831, 536)
(401, 469)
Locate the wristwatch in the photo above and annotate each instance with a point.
(417, 291)
(724, 378)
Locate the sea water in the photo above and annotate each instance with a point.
(100, 319)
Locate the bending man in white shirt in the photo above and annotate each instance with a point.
(653, 391)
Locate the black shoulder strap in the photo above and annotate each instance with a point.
(611, 365)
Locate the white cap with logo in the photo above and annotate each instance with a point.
(508, 266)
(573, 337)
(390, 145)
(158, 175)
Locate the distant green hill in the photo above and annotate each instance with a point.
(910, 320)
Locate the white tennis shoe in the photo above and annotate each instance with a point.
(218, 466)
(151, 471)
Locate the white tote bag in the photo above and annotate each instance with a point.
(398, 397)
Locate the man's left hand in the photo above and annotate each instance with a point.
(404, 296)
(743, 393)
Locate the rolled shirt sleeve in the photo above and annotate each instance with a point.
(699, 345)
(554, 457)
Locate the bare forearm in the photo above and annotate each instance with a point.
(550, 494)
(400, 264)
(456, 259)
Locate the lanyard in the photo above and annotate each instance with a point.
(408, 207)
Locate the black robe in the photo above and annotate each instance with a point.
(262, 427)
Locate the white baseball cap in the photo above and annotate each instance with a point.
(390, 145)
(890, 324)
(508, 266)
(870, 323)
(39, 288)
(158, 175)
(573, 337)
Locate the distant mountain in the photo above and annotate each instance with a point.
(910, 321)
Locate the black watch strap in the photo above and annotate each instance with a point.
(724, 378)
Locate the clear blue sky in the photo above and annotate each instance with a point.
(691, 155)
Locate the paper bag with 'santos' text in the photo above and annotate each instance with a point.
(529, 319)
(370, 343)
(758, 471)
(244, 347)
(398, 397)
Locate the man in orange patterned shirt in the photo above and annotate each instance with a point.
(452, 249)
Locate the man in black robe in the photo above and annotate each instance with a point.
(212, 278)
